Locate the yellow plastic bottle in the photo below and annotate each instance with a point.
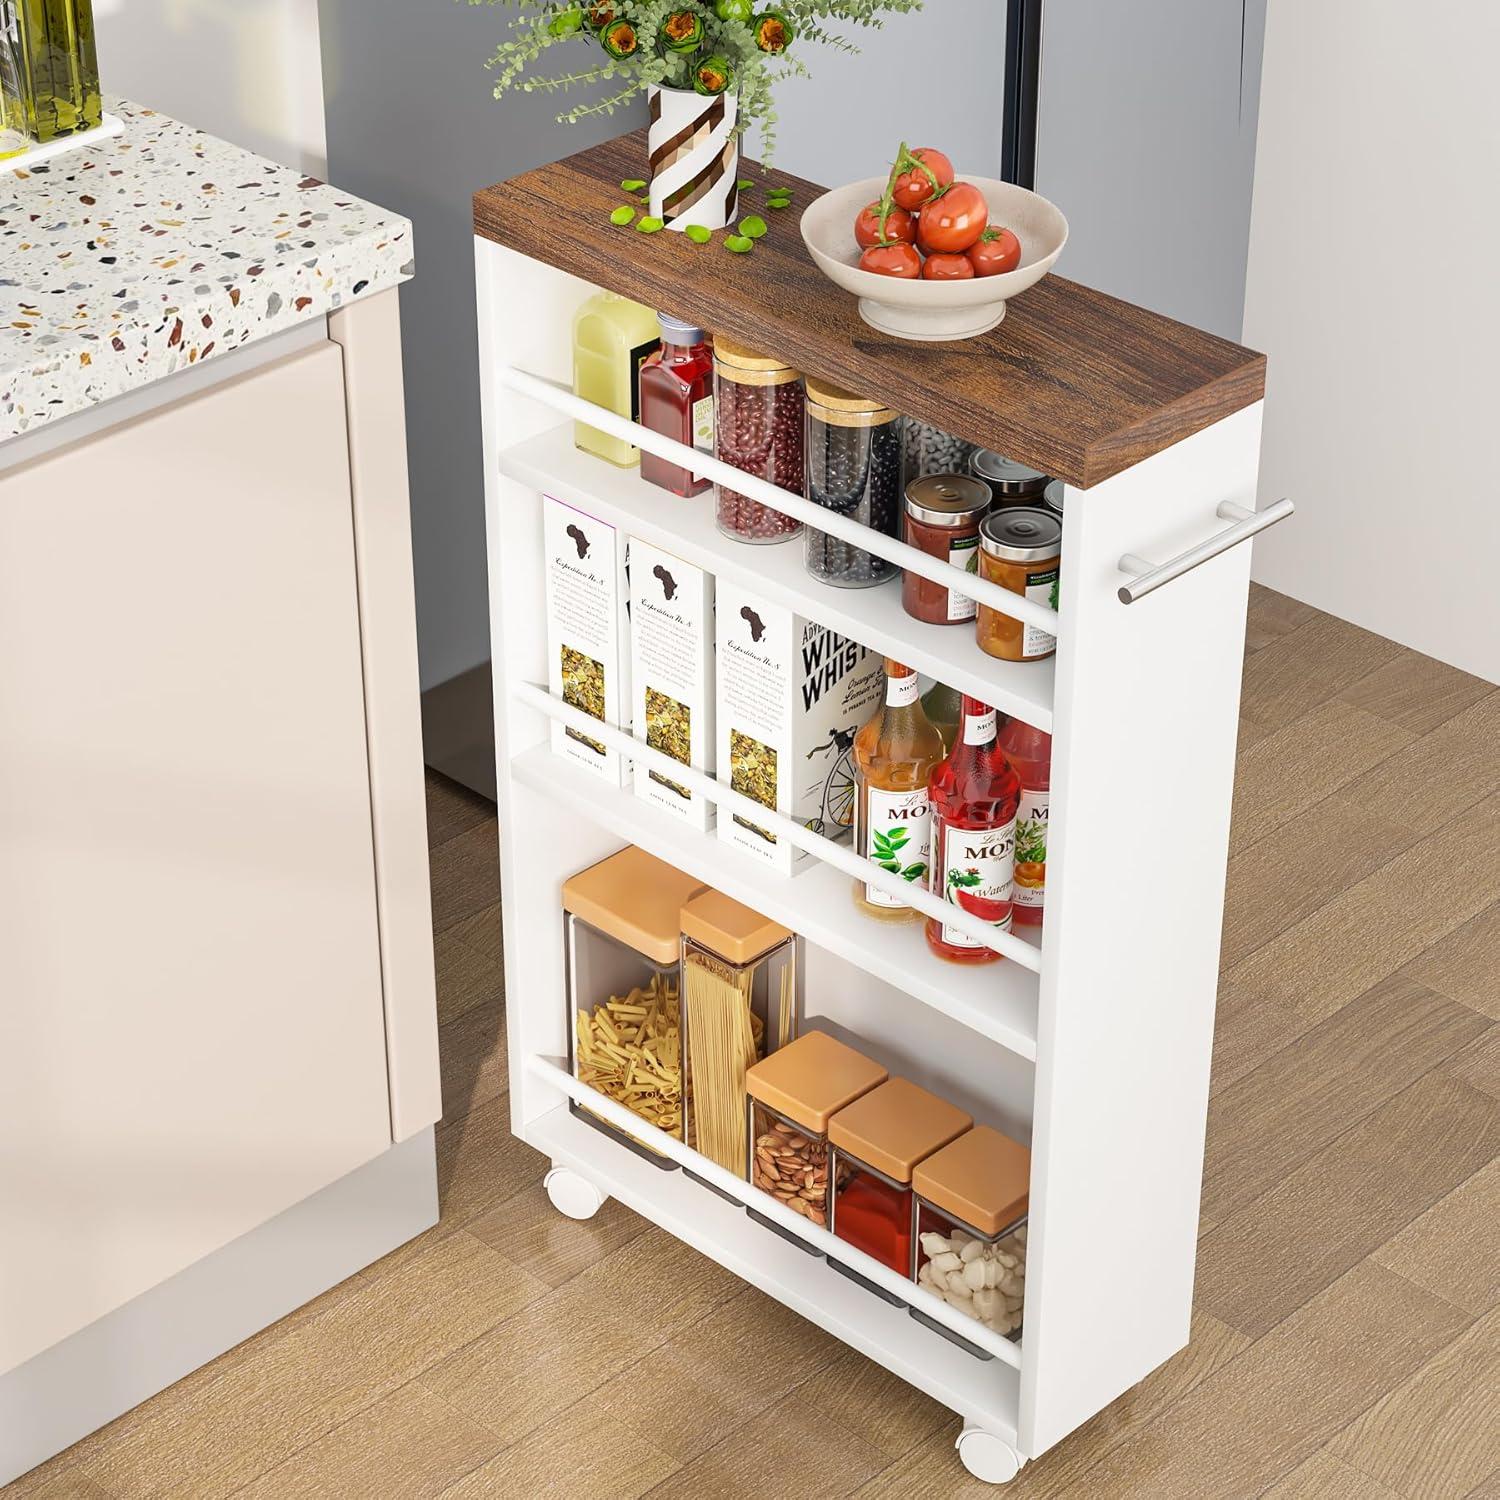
(612, 338)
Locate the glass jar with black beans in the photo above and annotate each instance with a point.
(854, 469)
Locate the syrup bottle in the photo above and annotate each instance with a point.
(1030, 752)
(974, 794)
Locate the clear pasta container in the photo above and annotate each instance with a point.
(739, 1003)
(877, 1143)
(621, 934)
(792, 1096)
(970, 1203)
(758, 429)
(854, 470)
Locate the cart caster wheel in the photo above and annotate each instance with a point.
(988, 1457)
(571, 1194)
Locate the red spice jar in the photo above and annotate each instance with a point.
(677, 400)
(943, 512)
(877, 1143)
(758, 427)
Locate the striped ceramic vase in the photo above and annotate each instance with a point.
(695, 157)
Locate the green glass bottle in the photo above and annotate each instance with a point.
(56, 88)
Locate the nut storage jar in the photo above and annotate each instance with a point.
(943, 512)
(854, 470)
(793, 1095)
(739, 1003)
(877, 1143)
(1010, 483)
(969, 1239)
(1021, 550)
(621, 928)
(758, 428)
(930, 450)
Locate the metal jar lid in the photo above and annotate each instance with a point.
(947, 499)
(840, 408)
(1052, 496)
(1004, 475)
(675, 331)
(1019, 534)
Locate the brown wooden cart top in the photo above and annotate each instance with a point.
(1075, 383)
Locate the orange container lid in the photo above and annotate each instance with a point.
(634, 897)
(983, 1179)
(729, 928)
(894, 1127)
(812, 1078)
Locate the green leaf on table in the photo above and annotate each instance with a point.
(622, 215)
(649, 225)
(744, 184)
(633, 184)
(698, 234)
(753, 226)
(738, 243)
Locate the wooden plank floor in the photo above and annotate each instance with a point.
(1347, 1339)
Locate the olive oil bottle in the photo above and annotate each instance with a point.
(55, 91)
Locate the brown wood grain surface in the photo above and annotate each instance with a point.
(1075, 383)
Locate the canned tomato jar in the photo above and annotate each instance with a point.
(943, 512)
(1021, 550)
(1010, 483)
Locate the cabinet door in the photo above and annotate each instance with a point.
(191, 1030)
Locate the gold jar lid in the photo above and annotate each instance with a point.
(749, 367)
(841, 408)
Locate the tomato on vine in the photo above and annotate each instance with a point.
(899, 225)
(996, 251)
(920, 175)
(899, 259)
(954, 220)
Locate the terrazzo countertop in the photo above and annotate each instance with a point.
(161, 248)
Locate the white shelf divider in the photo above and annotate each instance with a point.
(549, 464)
(996, 1001)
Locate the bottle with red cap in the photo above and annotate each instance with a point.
(975, 794)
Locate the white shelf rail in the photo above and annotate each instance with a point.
(911, 559)
(554, 1074)
(728, 800)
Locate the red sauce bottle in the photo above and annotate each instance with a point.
(974, 794)
(677, 400)
(1030, 752)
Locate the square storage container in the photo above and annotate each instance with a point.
(621, 931)
(792, 1096)
(877, 1143)
(969, 1235)
(739, 1003)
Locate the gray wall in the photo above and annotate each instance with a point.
(412, 124)
(830, 132)
(1146, 140)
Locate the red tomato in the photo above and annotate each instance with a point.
(953, 221)
(945, 267)
(995, 251)
(913, 188)
(899, 259)
(899, 225)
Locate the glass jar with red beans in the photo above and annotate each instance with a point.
(876, 1144)
(758, 428)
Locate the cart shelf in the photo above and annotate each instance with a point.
(550, 464)
(997, 1001)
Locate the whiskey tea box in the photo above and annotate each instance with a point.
(791, 696)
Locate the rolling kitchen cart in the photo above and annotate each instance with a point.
(1093, 1041)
